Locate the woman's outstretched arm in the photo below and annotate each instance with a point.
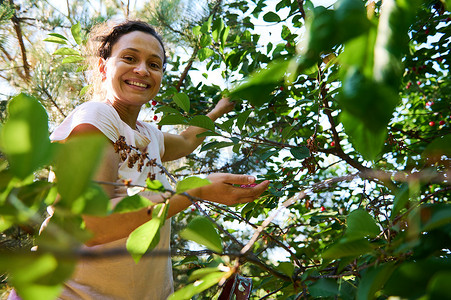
(180, 145)
(224, 189)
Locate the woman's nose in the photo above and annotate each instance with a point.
(141, 69)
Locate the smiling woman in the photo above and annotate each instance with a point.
(130, 61)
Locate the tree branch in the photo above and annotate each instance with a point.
(18, 30)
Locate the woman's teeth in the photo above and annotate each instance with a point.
(143, 85)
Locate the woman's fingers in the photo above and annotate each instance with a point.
(232, 178)
(247, 194)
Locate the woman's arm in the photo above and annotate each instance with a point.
(119, 225)
(180, 145)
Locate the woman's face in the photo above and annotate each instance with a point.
(134, 70)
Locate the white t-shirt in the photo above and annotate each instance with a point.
(119, 277)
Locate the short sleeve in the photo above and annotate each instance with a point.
(99, 114)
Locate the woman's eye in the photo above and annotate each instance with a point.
(128, 58)
(155, 66)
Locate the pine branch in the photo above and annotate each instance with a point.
(19, 34)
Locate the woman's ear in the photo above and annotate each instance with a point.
(102, 67)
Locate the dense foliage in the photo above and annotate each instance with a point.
(346, 112)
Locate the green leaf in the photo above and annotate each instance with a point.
(76, 163)
(268, 154)
(205, 53)
(92, 202)
(203, 122)
(411, 278)
(66, 51)
(132, 203)
(196, 30)
(173, 120)
(36, 276)
(84, 90)
(72, 59)
(440, 217)
(146, 237)
(218, 26)
(199, 273)
(202, 231)
(366, 142)
(155, 185)
(439, 287)
(56, 39)
(300, 152)
(373, 280)
(360, 224)
(344, 248)
(58, 36)
(216, 145)
(438, 147)
(76, 33)
(401, 200)
(259, 86)
(286, 132)
(271, 17)
(182, 101)
(224, 35)
(286, 268)
(24, 137)
(167, 110)
(242, 118)
(195, 288)
(191, 183)
(324, 288)
(205, 41)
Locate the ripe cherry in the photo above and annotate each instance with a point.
(154, 102)
(432, 123)
(442, 122)
(332, 144)
(155, 118)
(323, 208)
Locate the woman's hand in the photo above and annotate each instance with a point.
(223, 190)
(223, 107)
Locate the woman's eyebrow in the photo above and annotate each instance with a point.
(136, 50)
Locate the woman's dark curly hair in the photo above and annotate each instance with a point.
(108, 40)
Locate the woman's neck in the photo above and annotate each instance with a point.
(127, 113)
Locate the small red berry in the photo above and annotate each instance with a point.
(426, 31)
(155, 118)
(281, 88)
(332, 144)
(154, 102)
(414, 69)
(323, 208)
(432, 123)
(193, 209)
(440, 59)
(419, 82)
(409, 84)
(442, 122)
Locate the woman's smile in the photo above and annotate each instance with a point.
(134, 70)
